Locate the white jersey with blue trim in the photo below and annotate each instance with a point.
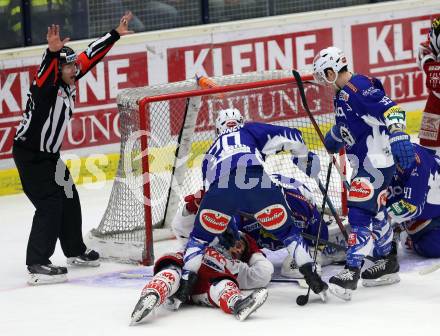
(363, 111)
(247, 145)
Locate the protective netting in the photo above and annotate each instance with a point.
(178, 133)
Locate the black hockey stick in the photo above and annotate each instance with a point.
(302, 93)
(302, 300)
(305, 235)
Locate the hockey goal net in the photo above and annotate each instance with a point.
(165, 131)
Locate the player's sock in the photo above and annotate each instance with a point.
(317, 285)
(46, 274)
(245, 307)
(89, 258)
(384, 271)
(155, 292)
(343, 283)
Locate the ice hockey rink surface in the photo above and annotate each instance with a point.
(97, 301)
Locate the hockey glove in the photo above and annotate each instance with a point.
(310, 165)
(192, 202)
(402, 149)
(187, 283)
(333, 141)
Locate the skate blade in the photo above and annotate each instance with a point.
(259, 296)
(78, 262)
(342, 293)
(385, 280)
(143, 308)
(43, 279)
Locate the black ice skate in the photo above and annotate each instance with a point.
(245, 307)
(343, 283)
(89, 258)
(144, 306)
(384, 271)
(46, 274)
(317, 285)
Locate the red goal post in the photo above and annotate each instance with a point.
(166, 129)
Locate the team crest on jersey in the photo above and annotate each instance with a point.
(272, 217)
(346, 136)
(214, 221)
(361, 190)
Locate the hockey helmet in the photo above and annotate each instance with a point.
(67, 55)
(434, 36)
(328, 58)
(228, 118)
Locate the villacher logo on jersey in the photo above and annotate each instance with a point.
(214, 221)
(272, 217)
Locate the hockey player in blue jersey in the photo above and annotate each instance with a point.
(372, 129)
(414, 202)
(235, 180)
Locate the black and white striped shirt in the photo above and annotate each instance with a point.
(51, 102)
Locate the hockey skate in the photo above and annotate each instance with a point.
(245, 307)
(46, 274)
(144, 306)
(89, 258)
(384, 271)
(317, 285)
(343, 283)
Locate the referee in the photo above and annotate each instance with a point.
(37, 143)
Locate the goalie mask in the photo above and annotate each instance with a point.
(228, 118)
(329, 58)
(434, 36)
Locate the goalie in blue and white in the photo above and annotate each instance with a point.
(414, 202)
(372, 129)
(235, 180)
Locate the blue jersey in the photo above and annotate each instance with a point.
(414, 194)
(363, 112)
(247, 145)
(305, 215)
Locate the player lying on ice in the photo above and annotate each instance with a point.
(414, 202)
(222, 275)
(305, 215)
(235, 180)
(371, 127)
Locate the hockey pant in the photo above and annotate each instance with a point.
(260, 197)
(58, 210)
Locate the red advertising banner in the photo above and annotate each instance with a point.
(287, 51)
(95, 120)
(388, 50)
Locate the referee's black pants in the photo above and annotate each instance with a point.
(56, 200)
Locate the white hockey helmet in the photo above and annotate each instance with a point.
(228, 118)
(434, 36)
(328, 58)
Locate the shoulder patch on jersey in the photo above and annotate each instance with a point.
(214, 221)
(361, 190)
(344, 96)
(370, 91)
(272, 217)
(352, 87)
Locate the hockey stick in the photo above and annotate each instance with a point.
(334, 213)
(302, 300)
(127, 275)
(429, 269)
(302, 93)
(305, 235)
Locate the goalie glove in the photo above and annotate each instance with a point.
(310, 165)
(333, 140)
(192, 202)
(402, 149)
